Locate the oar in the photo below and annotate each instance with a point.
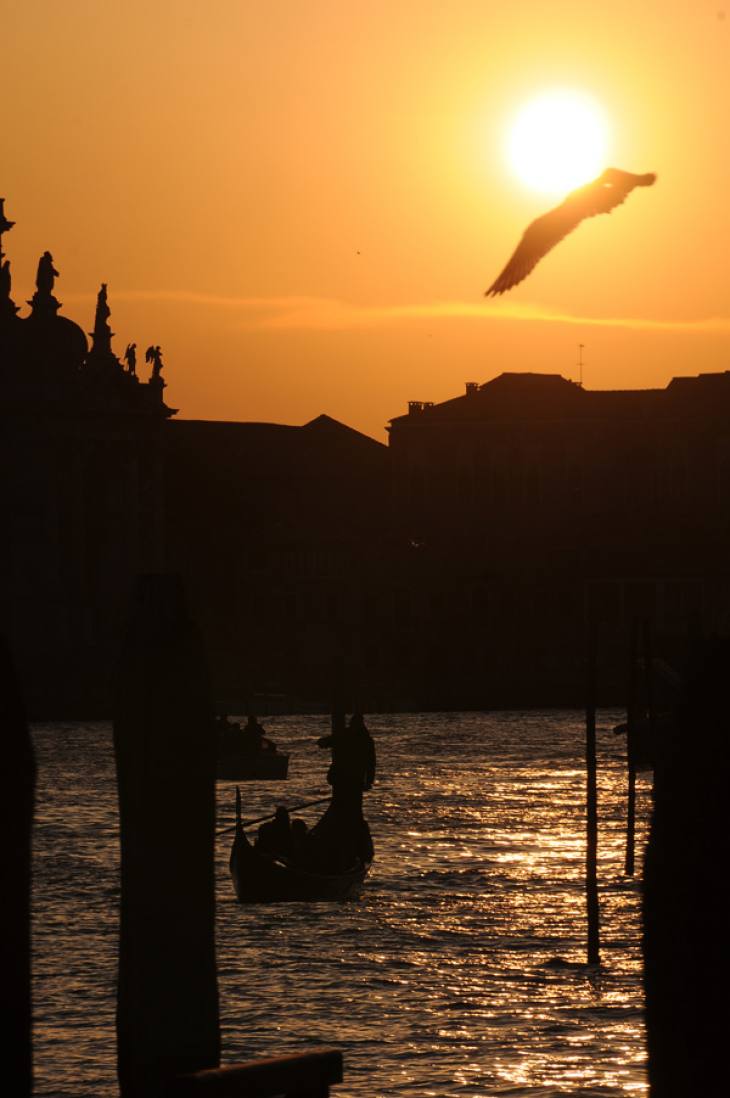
(262, 819)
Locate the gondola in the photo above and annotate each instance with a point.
(242, 758)
(263, 878)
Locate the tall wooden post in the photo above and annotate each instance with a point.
(594, 957)
(16, 819)
(686, 959)
(632, 716)
(167, 1005)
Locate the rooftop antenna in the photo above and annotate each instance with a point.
(580, 364)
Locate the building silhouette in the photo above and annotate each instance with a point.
(538, 504)
(277, 531)
(81, 494)
(456, 567)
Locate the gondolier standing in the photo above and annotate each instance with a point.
(353, 763)
(351, 773)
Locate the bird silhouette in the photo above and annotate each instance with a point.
(601, 196)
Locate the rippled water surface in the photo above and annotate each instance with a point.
(459, 972)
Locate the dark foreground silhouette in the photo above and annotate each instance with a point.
(606, 192)
(168, 1031)
(686, 961)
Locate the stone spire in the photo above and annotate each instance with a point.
(102, 333)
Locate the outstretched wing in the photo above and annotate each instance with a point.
(607, 192)
(601, 196)
(537, 240)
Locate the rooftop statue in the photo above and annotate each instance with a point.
(154, 355)
(47, 273)
(102, 333)
(130, 357)
(7, 305)
(5, 225)
(103, 312)
(5, 280)
(44, 304)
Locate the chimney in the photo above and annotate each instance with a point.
(472, 387)
(415, 407)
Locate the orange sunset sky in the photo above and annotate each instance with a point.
(304, 202)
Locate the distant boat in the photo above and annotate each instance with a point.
(268, 878)
(243, 757)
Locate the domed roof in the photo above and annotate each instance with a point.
(53, 343)
(54, 346)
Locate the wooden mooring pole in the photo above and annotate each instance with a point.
(168, 1037)
(686, 958)
(16, 818)
(594, 954)
(167, 1003)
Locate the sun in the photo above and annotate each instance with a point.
(558, 141)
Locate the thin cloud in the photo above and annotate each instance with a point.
(330, 314)
(323, 314)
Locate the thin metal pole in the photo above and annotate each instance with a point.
(594, 957)
(631, 719)
(649, 682)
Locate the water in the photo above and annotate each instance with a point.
(459, 972)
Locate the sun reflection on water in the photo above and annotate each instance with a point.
(461, 970)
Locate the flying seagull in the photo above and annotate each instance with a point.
(600, 196)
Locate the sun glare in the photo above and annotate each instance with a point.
(558, 141)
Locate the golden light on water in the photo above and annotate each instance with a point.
(467, 952)
(558, 141)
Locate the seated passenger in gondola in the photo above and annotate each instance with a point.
(275, 837)
(299, 840)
